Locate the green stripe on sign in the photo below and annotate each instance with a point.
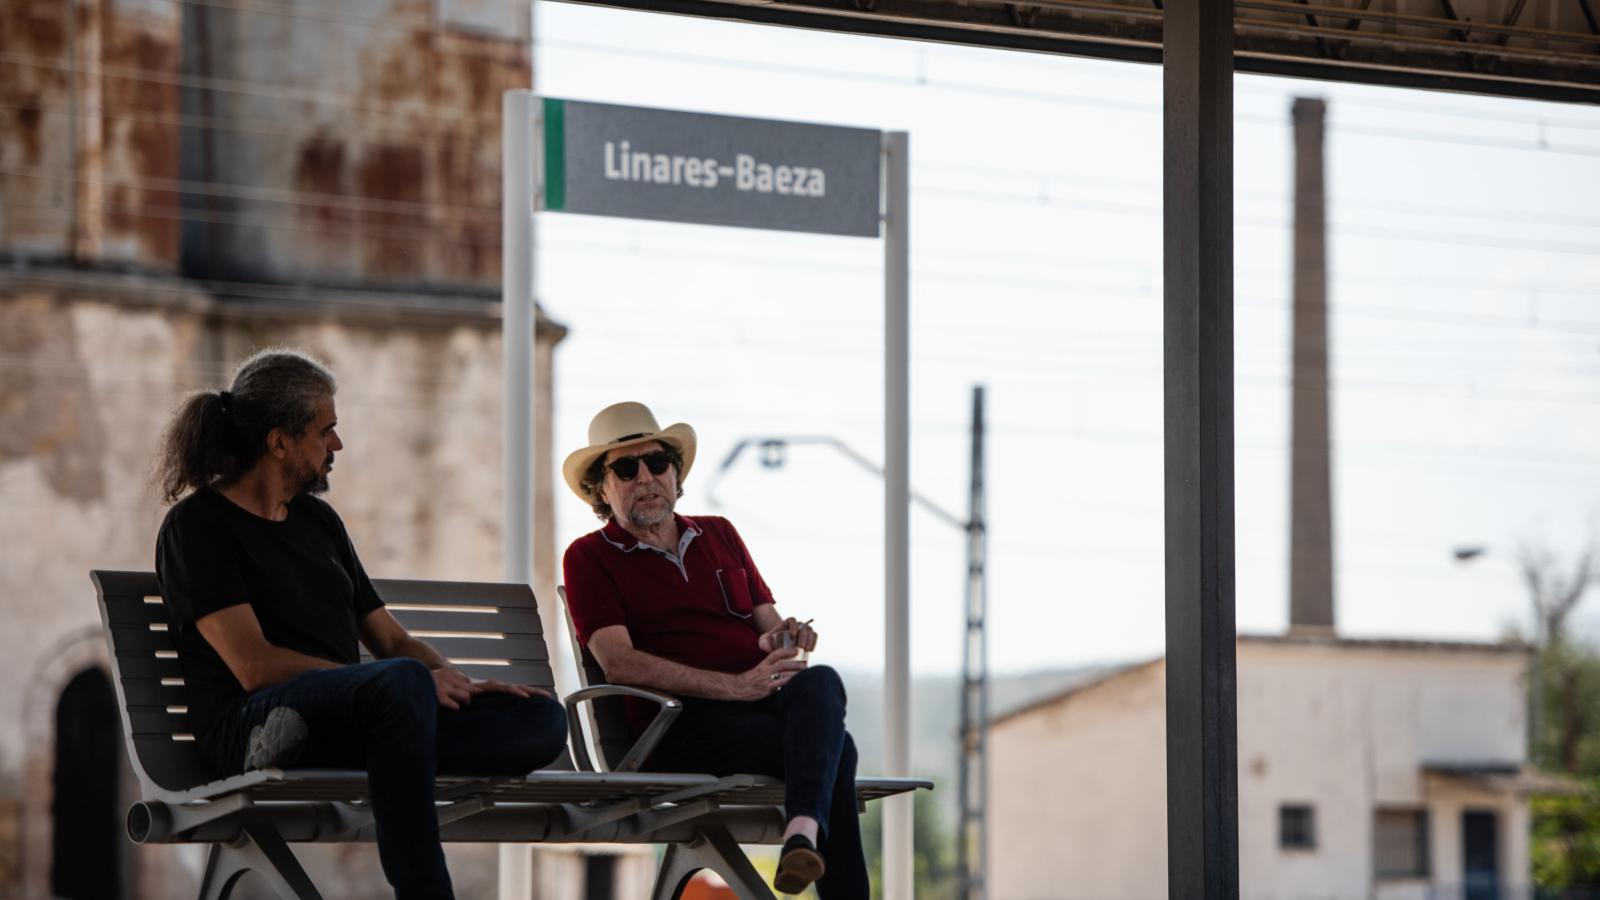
(555, 153)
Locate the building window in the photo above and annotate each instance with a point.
(1297, 827)
(1401, 837)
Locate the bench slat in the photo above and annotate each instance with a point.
(455, 593)
(536, 676)
(115, 585)
(176, 764)
(517, 648)
(138, 641)
(146, 665)
(137, 612)
(138, 638)
(151, 692)
(156, 720)
(506, 621)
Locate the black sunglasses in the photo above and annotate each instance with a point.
(627, 468)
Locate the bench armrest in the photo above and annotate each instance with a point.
(644, 746)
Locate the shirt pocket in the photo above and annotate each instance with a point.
(735, 585)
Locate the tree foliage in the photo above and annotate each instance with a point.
(1570, 742)
(1566, 842)
(1566, 827)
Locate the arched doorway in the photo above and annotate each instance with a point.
(86, 838)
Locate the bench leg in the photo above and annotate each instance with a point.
(264, 852)
(674, 874)
(713, 849)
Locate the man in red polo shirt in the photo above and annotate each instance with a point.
(668, 602)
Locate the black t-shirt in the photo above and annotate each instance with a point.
(300, 576)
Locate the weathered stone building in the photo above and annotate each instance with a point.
(180, 184)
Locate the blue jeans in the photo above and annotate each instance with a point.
(798, 735)
(385, 717)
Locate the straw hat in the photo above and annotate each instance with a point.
(624, 425)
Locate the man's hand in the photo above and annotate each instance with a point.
(805, 637)
(770, 674)
(453, 686)
(491, 686)
(457, 690)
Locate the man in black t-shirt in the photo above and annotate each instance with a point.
(269, 602)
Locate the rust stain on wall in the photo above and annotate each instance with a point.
(35, 169)
(321, 175)
(39, 25)
(141, 105)
(28, 119)
(396, 241)
(320, 168)
(467, 165)
(423, 157)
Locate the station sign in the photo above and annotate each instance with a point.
(641, 163)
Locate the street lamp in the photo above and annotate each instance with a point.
(774, 452)
(1465, 553)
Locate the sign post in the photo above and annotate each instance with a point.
(517, 364)
(897, 848)
(671, 166)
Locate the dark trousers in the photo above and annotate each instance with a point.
(798, 735)
(385, 717)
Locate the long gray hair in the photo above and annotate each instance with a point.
(217, 436)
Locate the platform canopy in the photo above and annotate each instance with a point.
(1544, 49)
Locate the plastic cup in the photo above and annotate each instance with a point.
(786, 639)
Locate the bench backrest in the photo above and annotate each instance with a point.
(608, 720)
(488, 630)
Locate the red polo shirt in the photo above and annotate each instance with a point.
(693, 607)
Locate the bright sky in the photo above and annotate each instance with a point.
(1465, 335)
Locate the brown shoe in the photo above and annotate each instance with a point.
(799, 865)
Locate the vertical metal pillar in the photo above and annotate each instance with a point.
(1202, 768)
(897, 851)
(973, 831)
(516, 360)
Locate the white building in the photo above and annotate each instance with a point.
(1367, 769)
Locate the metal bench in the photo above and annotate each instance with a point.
(489, 630)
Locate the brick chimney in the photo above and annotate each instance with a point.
(1311, 503)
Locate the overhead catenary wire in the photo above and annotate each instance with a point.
(1138, 210)
(490, 213)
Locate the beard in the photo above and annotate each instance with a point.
(650, 518)
(314, 479)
